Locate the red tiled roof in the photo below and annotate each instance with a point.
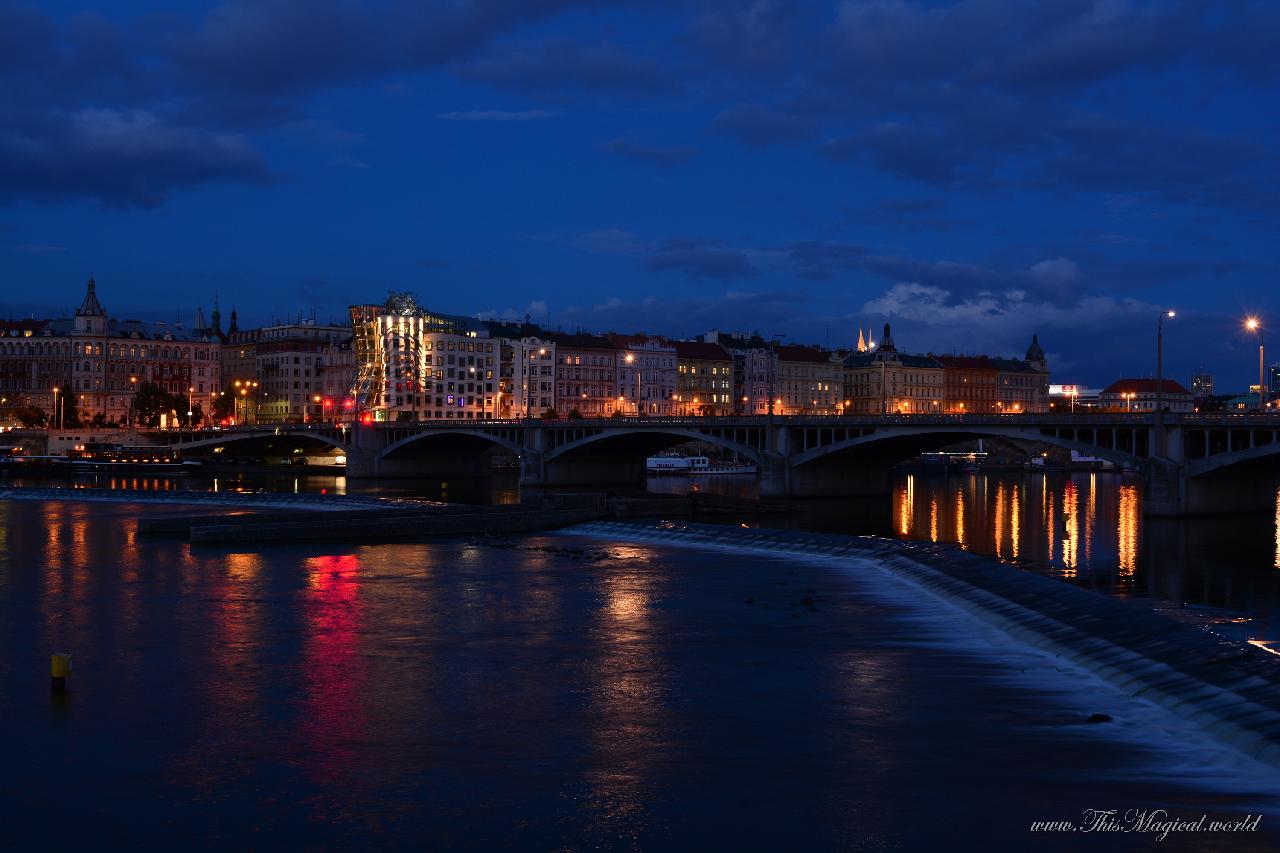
(966, 362)
(798, 353)
(22, 325)
(578, 341)
(700, 350)
(627, 341)
(1145, 386)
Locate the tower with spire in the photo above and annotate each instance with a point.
(91, 317)
(862, 341)
(216, 316)
(886, 342)
(1035, 356)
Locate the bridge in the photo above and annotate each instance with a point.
(1192, 464)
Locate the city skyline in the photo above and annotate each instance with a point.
(672, 167)
(842, 340)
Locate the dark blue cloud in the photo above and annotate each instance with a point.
(563, 68)
(119, 158)
(950, 161)
(656, 154)
(760, 126)
(701, 259)
(297, 46)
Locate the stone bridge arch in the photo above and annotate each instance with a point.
(656, 438)
(226, 438)
(430, 434)
(588, 455)
(1265, 455)
(905, 442)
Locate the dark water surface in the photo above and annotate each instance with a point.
(1086, 528)
(543, 693)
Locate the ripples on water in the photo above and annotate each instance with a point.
(540, 693)
(1085, 527)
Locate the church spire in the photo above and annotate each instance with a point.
(862, 342)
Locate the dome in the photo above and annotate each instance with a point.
(1034, 353)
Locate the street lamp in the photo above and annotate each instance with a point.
(54, 420)
(630, 359)
(1253, 324)
(1160, 379)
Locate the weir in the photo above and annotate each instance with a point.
(1227, 688)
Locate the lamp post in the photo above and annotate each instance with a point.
(630, 359)
(1160, 380)
(53, 417)
(1253, 324)
(773, 360)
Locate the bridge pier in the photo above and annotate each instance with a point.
(860, 478)
(593, 471)
(1170, 491)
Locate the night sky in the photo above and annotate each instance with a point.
(970, 171)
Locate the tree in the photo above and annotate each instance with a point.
(197, 414)
(550, 415)
(151, 401)
(224, 405)
(31, 416)
(99, 421)
(574, 414)
(69, 417)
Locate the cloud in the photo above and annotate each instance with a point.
(298, 46)
(906, 151)
(1106, 155)
(696, 257)
(912, 215)
(748, 35)
(559, 68)
(997, 322)
(128, 158)
(759, 126)
(498, 115)
(684, 316)
(702, 259)
(1056, 274)
(658, 155)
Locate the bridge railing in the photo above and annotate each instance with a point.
(1223, 419)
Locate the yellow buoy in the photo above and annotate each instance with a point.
(60, 668)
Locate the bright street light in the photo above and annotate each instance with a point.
(1253, 324)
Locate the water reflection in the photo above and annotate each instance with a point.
(628, 696)
(333, 716)
(1070, 529)
(1015, 528)
(1128, 518)
(502, 488)
(1082, 522)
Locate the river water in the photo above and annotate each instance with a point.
(561, 693)
(548, 692)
